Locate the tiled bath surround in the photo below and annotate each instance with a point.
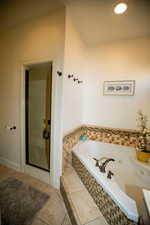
(109, 209)
(69, 141)
(79, 203)
(107, 206)
(113, 135)
(103, 134)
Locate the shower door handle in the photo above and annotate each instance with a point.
(46, 134)
(47, 122)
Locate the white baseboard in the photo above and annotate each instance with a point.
(8, 163)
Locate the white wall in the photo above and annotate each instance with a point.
(41, 38)
(120, 60)
(114, 60)
(74, 61)
(82, 103)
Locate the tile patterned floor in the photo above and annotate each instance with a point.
(54, 211)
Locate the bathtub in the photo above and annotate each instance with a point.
(125, 187)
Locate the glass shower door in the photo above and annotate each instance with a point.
(38, 112)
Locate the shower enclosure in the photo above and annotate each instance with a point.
(38, 86)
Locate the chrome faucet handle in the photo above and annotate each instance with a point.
(97, 162)
(110, 174)
(102, 167)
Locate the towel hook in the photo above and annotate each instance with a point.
(59, 73)
(70, 76)
(75, 79)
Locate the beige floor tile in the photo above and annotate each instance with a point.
(54, 211)
(85, 207)
(66, 220)
(5, 172)
(69, 170)
(38, 221)
(34, 182)
(99, 221)
(72, 182)
(60, 196)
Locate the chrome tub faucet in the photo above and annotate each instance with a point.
(99, 160)
(102, 167)
(104, 164)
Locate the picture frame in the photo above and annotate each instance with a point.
(119, 88)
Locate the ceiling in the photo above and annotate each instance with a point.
(14, 12)
(94, 19)
(96, 22)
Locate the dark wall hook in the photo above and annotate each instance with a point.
(13, 128)
(70, 76)
(79, 81)
(75, 79)
(59, 73)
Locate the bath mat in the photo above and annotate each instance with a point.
(19, 202)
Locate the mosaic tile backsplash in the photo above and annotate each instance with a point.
(69, 141)
(124, 137)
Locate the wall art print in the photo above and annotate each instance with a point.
(124, 87)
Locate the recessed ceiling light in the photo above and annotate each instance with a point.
(120, 8)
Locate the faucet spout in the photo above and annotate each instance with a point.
(99, 160)
(104, 164)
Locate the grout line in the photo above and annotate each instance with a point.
(99, 217)
(43, 221)
(63, 219)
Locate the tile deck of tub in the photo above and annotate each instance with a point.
(78, 201)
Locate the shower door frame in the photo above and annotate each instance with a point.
(26, 121)
(52, 177)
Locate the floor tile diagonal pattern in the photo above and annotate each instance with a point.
(54, 211)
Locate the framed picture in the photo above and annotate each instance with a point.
(124, 87)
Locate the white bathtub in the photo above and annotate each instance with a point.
(125, 187)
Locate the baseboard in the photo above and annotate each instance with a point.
(8, 163)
